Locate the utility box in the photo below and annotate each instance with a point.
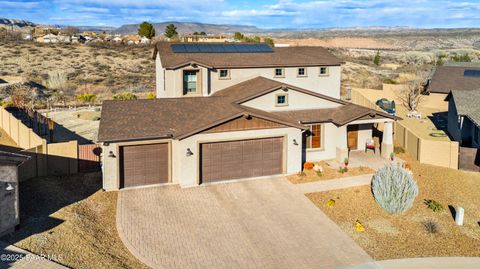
(9, 201)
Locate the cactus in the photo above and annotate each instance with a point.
(394, 189)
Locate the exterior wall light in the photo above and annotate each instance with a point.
(189, 152)
(9, 187)
(295, 142)
(111, 155)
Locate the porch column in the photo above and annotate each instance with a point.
(342, 147)
(387, 139)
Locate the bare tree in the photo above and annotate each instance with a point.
(411, 95)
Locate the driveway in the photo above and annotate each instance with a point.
(251, 224)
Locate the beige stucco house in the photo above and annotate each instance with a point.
(232, 111)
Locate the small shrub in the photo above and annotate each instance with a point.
(151, 95)
(308, 165)
(434, 205)
(390, 81)
(431, 226)
(125, 96)
(398, 150)
(343, 169)
(394, 189)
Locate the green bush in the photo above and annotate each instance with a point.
(390, 81)
(394, 189)
(86, 98)
(434, 205)
(398, 150)
(125, 96)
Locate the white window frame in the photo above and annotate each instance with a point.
(327, 71)
(286, 99)
(279, 76)
(304, 72)
(322, 138)
(220, 72)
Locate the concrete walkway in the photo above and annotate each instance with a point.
(423, 263)
(333, 184)
(17, 258)
(263, 223)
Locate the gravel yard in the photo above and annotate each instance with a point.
(73, 221)
(403, 236)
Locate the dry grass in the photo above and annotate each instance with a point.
(401, 236)
(72, 220)
(96, 68)
(328, 173)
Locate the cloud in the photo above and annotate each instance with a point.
(265, 13)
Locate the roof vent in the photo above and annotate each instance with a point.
(372, 114)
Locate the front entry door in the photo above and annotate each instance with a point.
(352, 137)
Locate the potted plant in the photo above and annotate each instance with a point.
(392, 156)
(345, 161)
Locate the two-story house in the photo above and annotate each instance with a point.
(229, 111)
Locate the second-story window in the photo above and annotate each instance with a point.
(282, 100)
(302, 72)
(224, 74)
(189, 81)
(279, 72)
(323, 71)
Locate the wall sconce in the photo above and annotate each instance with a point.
(111, 155)
(189, 152)
(9, 187)
(295, 142)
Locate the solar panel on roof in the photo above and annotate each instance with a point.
(220, 48)
(471, 73)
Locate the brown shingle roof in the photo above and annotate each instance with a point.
(171, 117)
(339, 115)
(182, 117)
(280, 57)
(448, 78)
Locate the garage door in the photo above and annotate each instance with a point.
(241, 159)
(144, 165)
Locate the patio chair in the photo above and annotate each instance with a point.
(370, 144)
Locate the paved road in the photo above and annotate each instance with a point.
(251, 224)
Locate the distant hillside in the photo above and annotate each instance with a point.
(16, 23)
(190, 27)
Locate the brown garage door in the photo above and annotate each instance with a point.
(241, 159)
(144, 164)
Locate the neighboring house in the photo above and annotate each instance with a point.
(464, 117)
(9, 203)
(450, 77)
(203, 38)
(251, 112)
(51, 38)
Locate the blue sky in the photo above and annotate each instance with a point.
(261, 13)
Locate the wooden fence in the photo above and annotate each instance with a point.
(89, 158)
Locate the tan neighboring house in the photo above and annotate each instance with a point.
(203, 38)
(229, 111)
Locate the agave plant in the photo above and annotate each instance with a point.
(394, 189)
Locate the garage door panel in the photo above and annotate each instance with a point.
(241, 159)
(144, 164)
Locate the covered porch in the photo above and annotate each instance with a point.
(366, 143)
